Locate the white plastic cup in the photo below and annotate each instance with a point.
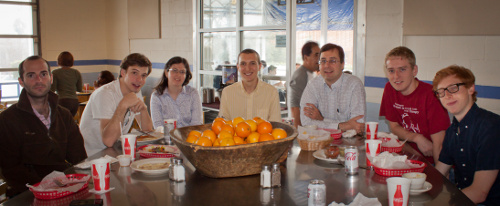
(417, 179)
(373, 148)
(100, 174)
(124, 160)
(371, 129)
(129, 145)
(398, 191)
(86, 87)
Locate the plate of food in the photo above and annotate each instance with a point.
(147, 137)
(158, 151)
(329, 154)
(151, 166)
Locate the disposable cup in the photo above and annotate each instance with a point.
(129, 145)
(124, 160)
(398, 191)
(86, 87)
(100, 174)
(373, 148)
(371, 129)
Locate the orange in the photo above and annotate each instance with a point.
(264, 127)
(216, 143)
(238, 140)
(192, 139)
(204, 141)
(243, 129)
(227, 142)
(225, 134)
(195, 133)
(219, 119)
(227, 127)
(258, 120)
(217, 126)
(266, 137)
(237, 120)
(253, 124)
(209, 134)
(253, 137)
(279, 133)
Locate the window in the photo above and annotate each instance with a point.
(225, 27)
(18, 39)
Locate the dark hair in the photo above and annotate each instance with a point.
(307, 48)
(135, 59)
(330, 46)
(249, 51)
(65, 59)
(403, 52)
(31, 58)
(462, 73)
(264, 63)
(106, 77)
(164, 80)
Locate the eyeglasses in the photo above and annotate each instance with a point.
(324, 61)
(175, 71)
(451, 89)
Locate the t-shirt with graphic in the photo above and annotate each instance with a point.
(419, 112)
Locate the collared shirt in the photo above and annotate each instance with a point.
(186, 108)
(345, 100)
(473, 145)
(263, 102)
(45, 121)
(298, 83)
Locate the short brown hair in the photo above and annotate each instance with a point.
(402, 52)
(136, 59)
(464, 74)
(65, 59)
(249, 51)
(330, 46)
(31, 58)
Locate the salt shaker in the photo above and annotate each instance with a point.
(265, 177)
(171, 170)
(176, 170)
(276, 175)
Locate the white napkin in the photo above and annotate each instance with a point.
(360, 200)
(312, 134)
(349, 133)
(86, 164)
(48, 184)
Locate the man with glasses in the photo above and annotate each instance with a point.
(471, 143)
(250, 97)
(410, 107)
(38, 135)
(298, 82)
(334, 100)
(112, 108)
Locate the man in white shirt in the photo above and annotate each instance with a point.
(334, 100)
(115, 105)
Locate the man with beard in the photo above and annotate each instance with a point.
(38, 135)
(112, 108)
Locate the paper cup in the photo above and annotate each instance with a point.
(100, 174)
(373, 148)
(124, 160)
(371, 129)
(288, 120)
(129, 145)
(86, 87)
(398, 191)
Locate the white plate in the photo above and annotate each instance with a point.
(320, 154)
(155, 136)
(427, 187)
(135, 166)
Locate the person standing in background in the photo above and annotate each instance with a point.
(67, 81)
(310, 56)
(104, 77)
(172, 98)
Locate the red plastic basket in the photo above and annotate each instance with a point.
(399, 172)
(47, 195)
(146, 154)
(392, 149)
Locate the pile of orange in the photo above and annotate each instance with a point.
(235, 132)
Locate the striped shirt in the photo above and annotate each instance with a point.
(186, 108)
(45, 121)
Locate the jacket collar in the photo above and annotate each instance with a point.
(25, 104)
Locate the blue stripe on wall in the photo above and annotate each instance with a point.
(490, 92)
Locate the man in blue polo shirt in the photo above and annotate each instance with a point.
(471, 143)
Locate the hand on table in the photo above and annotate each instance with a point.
(424, 145)
(312, 112)
(353, 124)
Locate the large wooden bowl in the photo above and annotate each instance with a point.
(232, 161)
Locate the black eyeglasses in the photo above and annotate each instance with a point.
(331, 61)
(451, 89)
